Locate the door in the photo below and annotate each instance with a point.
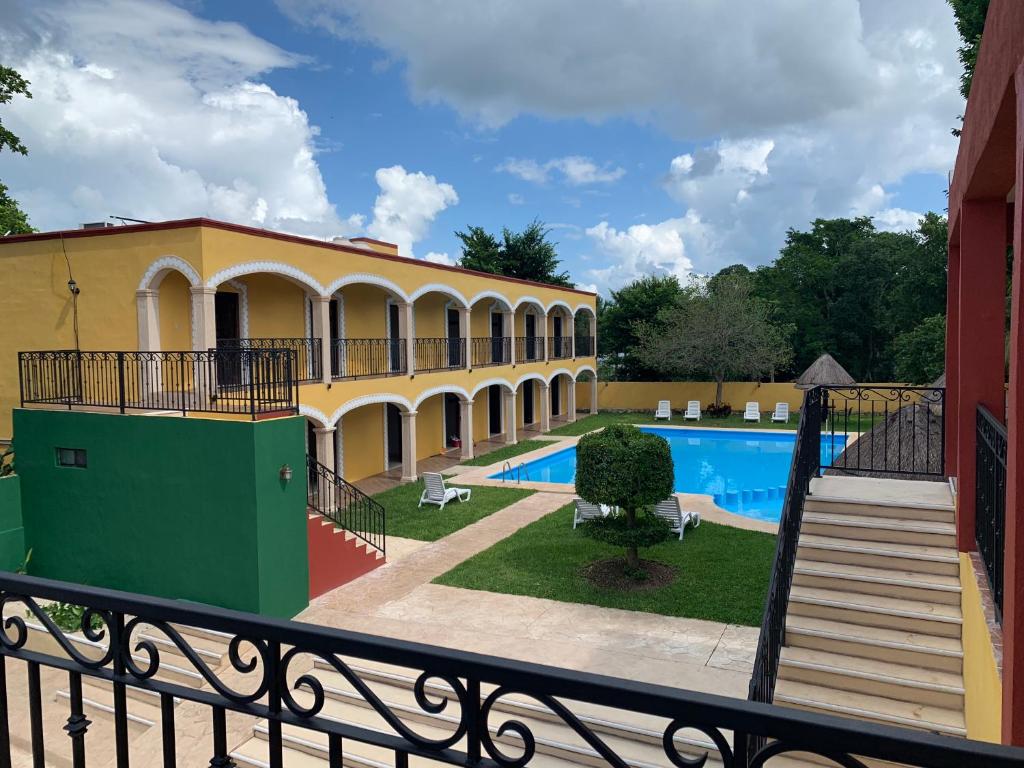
(313, 484)
(226, 317)
(454, 347)
(335, 359)
(494, 409)
(452, 420)
(497, 333)
(556, 396)
(394, 431)
(531, 336)
(395, 339)
(556, 331)
(528, 388)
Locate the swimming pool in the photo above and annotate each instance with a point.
(744, 471)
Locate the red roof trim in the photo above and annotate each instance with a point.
(71, 234)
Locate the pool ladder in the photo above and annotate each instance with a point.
(521, 470)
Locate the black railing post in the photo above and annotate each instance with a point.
(252, 389)
(120, 381)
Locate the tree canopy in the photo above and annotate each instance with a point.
(12, 219)
(636, 303)
(528, 255)
(970, 23)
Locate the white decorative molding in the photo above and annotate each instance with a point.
(444, 389)
(557, 371)
(268, 267)
(307, 315)
(528, 376)
(558, 303)
(439, 288)
(243, 307)
(364, 278)
(316, 415)
(340, 330)
(489, 383)
(529, 300)
(491, 295)
(339, 449)
(159, 269)
(586, 308)
(359, 402)
(586, 369)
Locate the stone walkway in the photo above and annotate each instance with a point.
(398, 600)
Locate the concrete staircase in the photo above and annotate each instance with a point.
(873, 629)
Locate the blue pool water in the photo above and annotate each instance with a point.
(745, 472)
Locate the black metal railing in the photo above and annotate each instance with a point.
(561, 347)
(439, 354)
(898, 431)
(805, 466)
(366, 358)
(490, 350)
(584, 346)
(308, 357)
(345, 504)
(259, 382)
(529, 348)
(990, 501)
(281, 674)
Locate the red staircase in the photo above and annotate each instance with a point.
(336, 556)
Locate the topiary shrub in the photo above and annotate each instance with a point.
(719, 410)
(623, 467)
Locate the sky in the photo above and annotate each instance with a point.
(655, 137)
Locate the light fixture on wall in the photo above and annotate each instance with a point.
(286, 473)
(73, 287)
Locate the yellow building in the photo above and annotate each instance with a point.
(398, 359)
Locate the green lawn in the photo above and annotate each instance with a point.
(507, 452)
(735, 421)
(429, 523)
(723, 572)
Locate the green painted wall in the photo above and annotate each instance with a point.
(186, 508)
(12, 534)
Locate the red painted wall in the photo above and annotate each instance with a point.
(335, 558)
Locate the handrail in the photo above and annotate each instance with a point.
(308, 358)
(347, 506)
(990, 500)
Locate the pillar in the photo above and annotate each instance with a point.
(408, 446)
(981, 320)
(1013, 542)
(407, 331)
(204, 317)
(510, 416)
(464, 328)
(570, 331)
(952, 368)
(544, 337)
(325, 447)
(508, 325)
(593, 393)
(570, 400)
(322, 331)
(545, 407)
(466, 428)
(149, 320)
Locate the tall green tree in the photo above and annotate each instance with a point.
(921, 352)
(618, 317)
(970, 23)
(528, 255)
(12, 219)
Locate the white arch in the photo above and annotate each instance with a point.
(315, 414)
(158, 270)
(443, 389)
(359, 402)
(490, 382)
(363, 278)
(490, 295)
(529, 300)
(528, 376)
(586, 308)
(268, 267)
(558, 371)
(558, 303)
(585, 369)
(439, 288)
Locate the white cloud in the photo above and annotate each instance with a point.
(897, 219)
(144, 110)
(575, 170)
(514, 198)
(407, 205)
(439, 258)
(643, 249)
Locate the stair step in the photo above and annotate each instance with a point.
(167, 647)
(873, 676)
(876, 611)
(901, 647)
(926, 587)
(879, 554)
(876, 709)
(152, 698)
(98, 707)
(884, 492)
(889, 529)
(940, 513)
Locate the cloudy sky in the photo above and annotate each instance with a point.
(656, 136)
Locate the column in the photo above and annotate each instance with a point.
(571, 332)
(149, 320)
(407, 331)
(510, 416)
(408, 446)
(508, 327)
(466, 428)
(325, 447)
(545, 407)
(952, 353)
(464, 334)
(593, 393)
(545, 337)
(322, 331)
(204, 318)
(570, 400)
(981, 320)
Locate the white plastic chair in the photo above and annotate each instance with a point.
(692, 410)
(781, 412)
(753, 412)
(670, 510)
(664, 410)
(435, 491)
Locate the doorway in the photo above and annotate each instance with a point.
(497, 333)
(556, 332)
(395, 340)
(226, 324)
(394, 434)
(556, 396)
(494, 409)
(454, 358)
(528, 388)
(531, 336)
(452, 420)
(335, 357)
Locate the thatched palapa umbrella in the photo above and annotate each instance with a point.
(825, 372)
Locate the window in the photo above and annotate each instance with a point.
(71, 457)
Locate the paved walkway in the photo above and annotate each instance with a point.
(399, 601)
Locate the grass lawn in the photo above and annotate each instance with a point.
(429, 523)
(735, 421)
(506, 453)
(722, 574)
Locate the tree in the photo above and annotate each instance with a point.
(527, 255)
(921, 352)
(970, 23)
(722, 331)
(623, 467)
(12, 219)
(617, 318)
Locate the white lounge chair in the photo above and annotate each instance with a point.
(670, 510)
(435, 491)
(753, 412)
(586, 510)
(664, 410)
(692, 410)
(781, 412)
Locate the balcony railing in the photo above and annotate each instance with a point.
(345, 505)
(281, 670)
(490, 350)
(365, 358)
(308, 363)
(529, 348)
(560, 346)
(239, 381)
(439, 354)
(990, 501)
(584, 346)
